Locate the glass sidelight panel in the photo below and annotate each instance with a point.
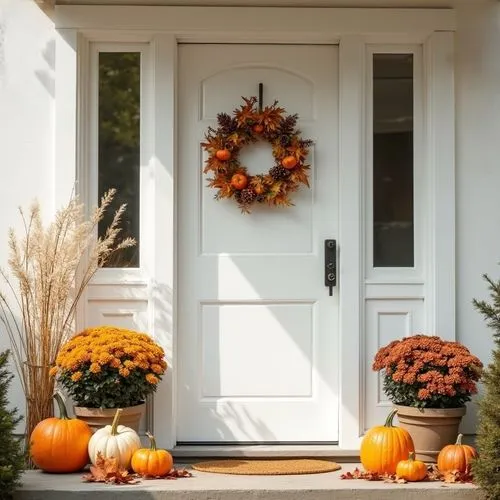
(393, 160)
(119, 144)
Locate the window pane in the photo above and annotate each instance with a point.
(119, 144)
(393, 238)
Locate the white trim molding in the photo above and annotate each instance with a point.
(440, 140)
(194, 23)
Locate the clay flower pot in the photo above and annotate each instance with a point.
(430, 428)
(98, 418)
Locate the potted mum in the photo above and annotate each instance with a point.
(429, 380)
(106, 367)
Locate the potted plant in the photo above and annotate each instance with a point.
(106, 367)
(429, 380)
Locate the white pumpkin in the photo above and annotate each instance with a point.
(115, 441)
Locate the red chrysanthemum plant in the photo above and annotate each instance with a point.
(428, 372)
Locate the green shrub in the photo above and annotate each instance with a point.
(486, 468)
(11, 448)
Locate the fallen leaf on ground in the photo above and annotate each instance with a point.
(173, 474)
(107, 470)
(455, 476)
(359, 474)
(433, 474)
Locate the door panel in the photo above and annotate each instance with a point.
(258, 340)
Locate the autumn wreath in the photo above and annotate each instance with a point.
(251, 124)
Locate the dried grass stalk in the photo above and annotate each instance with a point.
(49, 270)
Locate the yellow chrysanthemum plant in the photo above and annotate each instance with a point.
(109, 367)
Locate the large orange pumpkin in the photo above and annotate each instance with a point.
(60, 444)
(151, 461)
(456, 456)
(384, 446)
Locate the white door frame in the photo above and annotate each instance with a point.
(353, 29)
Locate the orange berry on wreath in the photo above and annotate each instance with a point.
(223, 154)
(258, 128)
(289, 162)
(239, 181)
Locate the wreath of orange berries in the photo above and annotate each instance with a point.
(251, 124)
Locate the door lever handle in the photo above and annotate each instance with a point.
(330, 264)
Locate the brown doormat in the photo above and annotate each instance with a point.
(267, 467)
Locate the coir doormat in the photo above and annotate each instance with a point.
(267, 467)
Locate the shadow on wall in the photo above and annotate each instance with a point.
(46, 76)
(235, 417)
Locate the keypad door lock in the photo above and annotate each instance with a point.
(330, 265)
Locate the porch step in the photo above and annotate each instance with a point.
(205, 486)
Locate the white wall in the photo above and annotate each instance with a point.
(478, 169)
(26, 120)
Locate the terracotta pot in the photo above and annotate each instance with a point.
(430, 428)
(100, 417)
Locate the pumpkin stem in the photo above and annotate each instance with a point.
(114, 425)
(411, 456)
(390, 418)
(459, 439)
(62, 407)
(152, 440)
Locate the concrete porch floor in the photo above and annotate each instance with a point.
(205, 486)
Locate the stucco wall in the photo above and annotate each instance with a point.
(478, 167)
(27, 92)
(26, 118)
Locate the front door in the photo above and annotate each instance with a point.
(258, 333)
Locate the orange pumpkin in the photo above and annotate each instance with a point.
(289, 162)
(223, 154)
(258, 128)
(151, 461)
(411, 469)
(60, 444)
(239, 181)
(384, 446)
(456, 456)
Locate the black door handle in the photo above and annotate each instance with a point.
(330, 264)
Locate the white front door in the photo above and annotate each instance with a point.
(258, 333)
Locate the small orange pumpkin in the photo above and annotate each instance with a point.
(384, 446)
(151, 461)
(239, 181)
(289, 162)
(258, 128)
(223, 154)
(456, 456)
(411, 469)
(60, 444)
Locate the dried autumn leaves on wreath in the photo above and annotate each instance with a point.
(249, 125)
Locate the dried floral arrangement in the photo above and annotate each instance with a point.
(249, 125)
(109, 367)
(428, 372)
(50, 267)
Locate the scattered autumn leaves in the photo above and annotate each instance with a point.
(433, 474)
(107, 470)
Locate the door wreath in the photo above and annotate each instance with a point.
(250, 124)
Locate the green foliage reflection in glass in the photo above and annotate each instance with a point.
(393, 169)
(119, 143)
